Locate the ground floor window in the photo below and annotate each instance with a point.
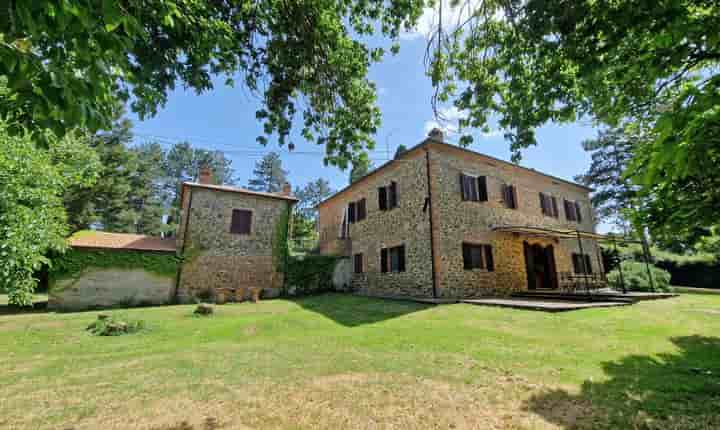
(392, 259)
(358, 263)
(581, 263)
(477, 256)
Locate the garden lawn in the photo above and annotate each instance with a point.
(338, 361)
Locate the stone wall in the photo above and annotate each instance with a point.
(461, 221)
(97, 288)
(406, 224)
(216, 258)
(455, 221)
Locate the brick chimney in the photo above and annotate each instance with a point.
(205, 175)
(286, 189)
(437, 135)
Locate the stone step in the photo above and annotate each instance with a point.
(575, 297)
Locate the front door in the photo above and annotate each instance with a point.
(540, 266)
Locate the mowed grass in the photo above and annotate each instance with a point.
(338, 361)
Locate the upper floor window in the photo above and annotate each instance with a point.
(473, 188)
(357, 211)
(392, 259)
(548, 205)
(572, 211)
(581, 263)
(509, 193)
(388, 197)
(241, 221)
(476, 256)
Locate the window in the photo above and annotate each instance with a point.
(358, 263)
(476, 256)
(388, 197)
(509, 194)
(357, 211)
(581, 263)
(548, 205)
(572, 211)
(473, 188)
(392, 259)
(241, 221)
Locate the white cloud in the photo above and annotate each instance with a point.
(451, 18)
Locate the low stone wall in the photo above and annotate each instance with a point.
(97, 288)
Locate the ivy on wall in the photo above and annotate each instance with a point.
(71, 264)
(280, 241)
(311, 274)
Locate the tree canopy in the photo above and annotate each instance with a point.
(33, 180)
(527, 63)
(268, 174)
(68, 61)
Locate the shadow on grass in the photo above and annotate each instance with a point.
(670, 391)
(37, 307)
(353, 311)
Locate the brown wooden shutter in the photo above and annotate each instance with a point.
(401, 258)
(482, 188)
(382, 198)
(358, 263)
(577, 263)
(554, 207)
(543, 207)
(467, 256)
(489, 262)
(463, 188)
(578, 212)
(241, 221)
(588, 265)
(384, 260)
(361, 210)
(569, 210)
(393, 195)
(351, 212)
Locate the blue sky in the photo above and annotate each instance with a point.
(225, 119)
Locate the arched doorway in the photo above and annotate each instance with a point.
(540, 266)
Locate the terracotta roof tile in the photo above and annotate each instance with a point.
(232, 189)
(105, 240)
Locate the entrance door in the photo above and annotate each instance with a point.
(540, 266)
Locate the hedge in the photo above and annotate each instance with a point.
(310, 274)
(697, 270)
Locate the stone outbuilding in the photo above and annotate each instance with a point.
(441, 221)
(231, 239)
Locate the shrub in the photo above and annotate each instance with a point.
(636, 277)
(114, 325)
(310, 274)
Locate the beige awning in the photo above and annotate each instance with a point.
(558, 233)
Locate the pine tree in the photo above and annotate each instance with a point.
(611, 152)
(400, 149)
(268, 174)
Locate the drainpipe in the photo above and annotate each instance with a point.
(432, 225)
(182, 248)
(287, 248)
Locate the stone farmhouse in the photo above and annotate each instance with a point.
(441, 221)
(228, 238)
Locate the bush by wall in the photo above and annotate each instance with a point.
(701, 270)
(310, 274)
(75, 260)
(635, 276)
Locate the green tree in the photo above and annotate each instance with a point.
(526, 63)
(70, 59)
(147, 198)
(182, 163)
(361, 166)
(310, 197)
(268, 174)
(33, 180)
(611, 152)
(400, 149)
